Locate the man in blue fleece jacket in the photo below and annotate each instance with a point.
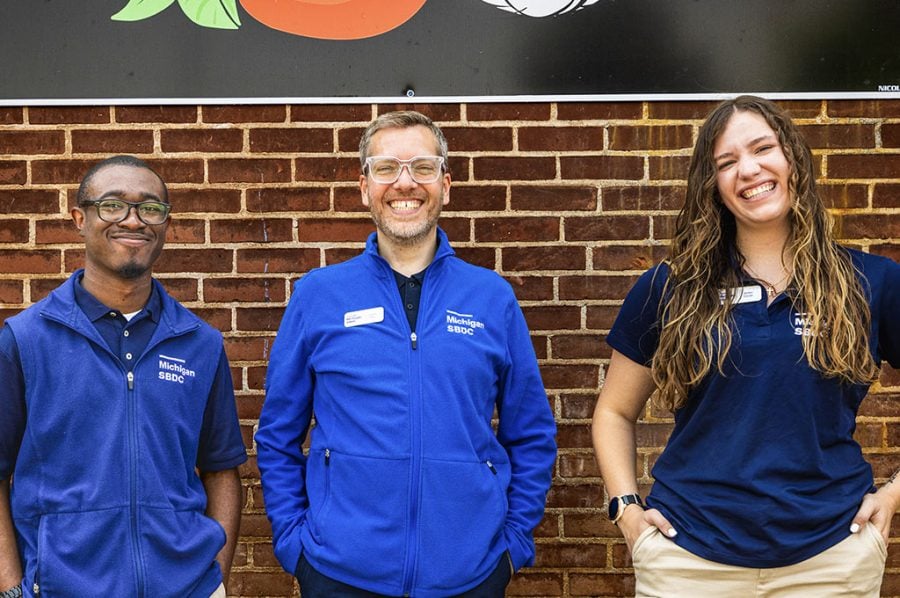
(119, 426)
(405, 354)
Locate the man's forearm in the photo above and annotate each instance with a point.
(10, 567)
(223, 494)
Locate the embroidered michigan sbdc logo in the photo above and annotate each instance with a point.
(464, 324)
(803, 324)
(173, 369)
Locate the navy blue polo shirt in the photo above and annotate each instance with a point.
(410, 294)
(761, 469)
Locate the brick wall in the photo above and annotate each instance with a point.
(568, 201)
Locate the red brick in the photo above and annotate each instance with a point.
(560, 139)
(215, 201)
(332, 113)
(334, 230)
(59, 171)
(54, 231)
(516, 229)
(670, 137)
(277, 260)
(181, 170)
(514, 168)
(565, 556)
(13, 231)
(578, 346)
(570, 376)
(185, 230)
(884, 195)
(578, 406)
(11, 291)
(517, 259)
(291, 140)
(349, 138)
(24, 261)
(552, 317)
(846, 195)
(554, 198)
(480, 256)
(249, 583)
(201, 140)
(258, 318)
(602, 167)
(477, 112)
(574, 288)
(32, 142)
(690, 110)
(802, 108)
(289, 199)
(601, 584)
(606, 228)
(70, 115)
(482, 198)
(195, 260)
(436, 112)
(183, 289)
(251, 230)
(349, 199)
(11, 115)
(245, 170)
(835, 136)
(599, 110)
(575, 495)
(112, 141)
(28, 201)
(248, 290)
(41, 287)
(529, 583)
(877, 226)
(601, 317)
(156, 114)
(532, 288)
(13, 172)
(863, 108)
(570, 436)
(668, 168)
(248, 348)
(642, 198)
(327, 170)
(627, 257)
(244, 114)
(479, 139)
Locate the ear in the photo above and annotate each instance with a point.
(364, 189)
(445, 183)
(78, 217)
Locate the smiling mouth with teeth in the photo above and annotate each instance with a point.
(751, 193)
(405, 205)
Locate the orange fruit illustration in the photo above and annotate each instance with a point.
(333, 19)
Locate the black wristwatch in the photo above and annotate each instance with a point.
(15, 592)
(617, 505)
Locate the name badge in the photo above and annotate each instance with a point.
(363, 317)
(738, 295)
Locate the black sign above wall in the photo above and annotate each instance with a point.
(205, 51)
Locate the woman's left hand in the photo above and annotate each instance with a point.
(879, 508)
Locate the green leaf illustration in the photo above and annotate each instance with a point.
(137, 10)
(218, 14)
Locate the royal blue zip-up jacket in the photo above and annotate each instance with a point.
(105, 497)
(407, 489)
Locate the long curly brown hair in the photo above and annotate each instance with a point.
(697, 330)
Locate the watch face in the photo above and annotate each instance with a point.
(613, 508)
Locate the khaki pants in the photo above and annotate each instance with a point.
(219, 593)
(853, 567)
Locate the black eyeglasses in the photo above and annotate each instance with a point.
(117, 210)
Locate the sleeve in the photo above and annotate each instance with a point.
(221, 445)
(527, 432)
(635, 333)
(888, 323)
(283, 425)
(12, 403)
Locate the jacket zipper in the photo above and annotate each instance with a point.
(133, 483)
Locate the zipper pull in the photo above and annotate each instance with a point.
(491, 466)
(130, 377)
(36, 589)
(414, 339)
(327, 456)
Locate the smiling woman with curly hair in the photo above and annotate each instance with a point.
(763, 335)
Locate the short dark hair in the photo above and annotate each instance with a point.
(120, 160)
(401, 119)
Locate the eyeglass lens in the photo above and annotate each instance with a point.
(423, 170)
(149, 212)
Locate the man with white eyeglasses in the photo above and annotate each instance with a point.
(119, 428)
(404, 354)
